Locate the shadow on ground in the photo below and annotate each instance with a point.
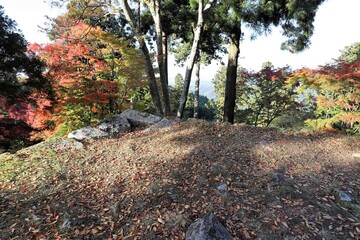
(154, 185)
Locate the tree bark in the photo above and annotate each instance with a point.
(258, 114)
(154, 7)
(148, 63)
(151, 77)
(166, 52)
(197, 89)
(193, 53)
(191, 60)
(231, 75)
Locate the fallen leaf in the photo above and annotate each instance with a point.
(285, 224)
(161, 221)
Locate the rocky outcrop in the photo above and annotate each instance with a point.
(139, 119)
(207, 228)
(87, 133)
(107, 127)
(163, 124)
(114, 125)
(122, 123)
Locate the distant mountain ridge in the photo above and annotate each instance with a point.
(206, 88)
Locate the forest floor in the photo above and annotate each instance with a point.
(153, 185)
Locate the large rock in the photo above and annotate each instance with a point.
(139, 119)
(114, 125)
(163, 124)
(207, 228)
(87, 133)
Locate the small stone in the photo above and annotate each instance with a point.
(344, 196)
(174, 197)
(66, 224)
(278, 178)
(222, 187)
(194, 151)
(356, 155)
(275, 203)
(116, 209)
(35, 218)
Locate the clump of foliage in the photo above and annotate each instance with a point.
(25, 95)
(292, 120)
(261, 96)
(350, 54)
(206, 106)
(336, 88)
(219, 89)
(94, 74)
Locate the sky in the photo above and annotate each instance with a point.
(336, 26)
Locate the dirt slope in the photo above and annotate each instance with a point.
(153, 185)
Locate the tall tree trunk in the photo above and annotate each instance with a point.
(165, 52)
(191, 60)
(151, 77)
(192, 57)
(197, 89)
(154, 7)
(231, 75)
(258, 114)
(148, 63)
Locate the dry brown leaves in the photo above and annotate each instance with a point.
(153, 185)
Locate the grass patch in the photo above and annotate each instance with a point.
(11, 167)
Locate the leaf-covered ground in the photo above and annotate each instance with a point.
(153, 185)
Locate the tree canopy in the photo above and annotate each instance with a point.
(15, 60)
(94, 73)
(261, 96)
(336, 90)
(25, 95)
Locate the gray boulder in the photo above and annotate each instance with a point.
(140, 119)
(114, 125)
(87, 133)
(163, 124)
(207, 228)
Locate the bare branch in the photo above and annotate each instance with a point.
(208, 5)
